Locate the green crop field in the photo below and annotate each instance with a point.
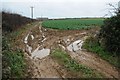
(73, 24)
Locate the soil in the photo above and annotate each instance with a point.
(48, 67)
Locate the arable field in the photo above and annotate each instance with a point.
(73, 24)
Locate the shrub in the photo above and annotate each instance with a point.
(12, 21)
(110, 34)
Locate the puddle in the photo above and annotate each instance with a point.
(45, 29)
(43, 35)
(66, 40)
(62, 46)
(85, 37)
(40, 29)
(40, 53)
(75, 45)
(32, 37)
(29, 48)
(44, 40)
(26, 39)
(83, 57)
(84, 33)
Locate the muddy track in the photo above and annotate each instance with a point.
(95, 62)
(47, 67)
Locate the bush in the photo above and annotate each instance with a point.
(110, 34)
(12, 21)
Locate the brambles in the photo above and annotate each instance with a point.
(13, 59)
(73, 24)
(110, 34)
(12, 21)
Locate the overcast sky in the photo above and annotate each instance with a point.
(59, 8)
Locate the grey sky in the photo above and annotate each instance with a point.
(59, 8)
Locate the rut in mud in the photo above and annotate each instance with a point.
(38, 42)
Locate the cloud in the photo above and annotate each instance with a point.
(59, 0)
(59, 8)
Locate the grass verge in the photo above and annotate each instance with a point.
(13, 62)
(13, 59)
(64, 59)
(92, 44)
(23, 29)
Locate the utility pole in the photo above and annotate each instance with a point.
(32, 12)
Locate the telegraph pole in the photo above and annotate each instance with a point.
(32, 12)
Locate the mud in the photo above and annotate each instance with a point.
(46, 40)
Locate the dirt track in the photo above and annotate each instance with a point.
(95, 62)
(47, 67)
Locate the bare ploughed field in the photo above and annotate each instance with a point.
(38, 42)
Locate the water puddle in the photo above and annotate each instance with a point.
(75, 46)
(40, 53)
(37, 53)
(66, 40)
(84, 33)
(45, 30)
(32, 37)
(44, 40)
(29, 48)
(40, 29)
(63, 47)
(26, 39)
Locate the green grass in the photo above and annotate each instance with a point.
(73, 24)
(13, 62)
(92, 44)
(64, 59)
(23, 29)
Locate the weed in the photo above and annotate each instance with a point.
(92, 44)
(13, 62)
(64, 59)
